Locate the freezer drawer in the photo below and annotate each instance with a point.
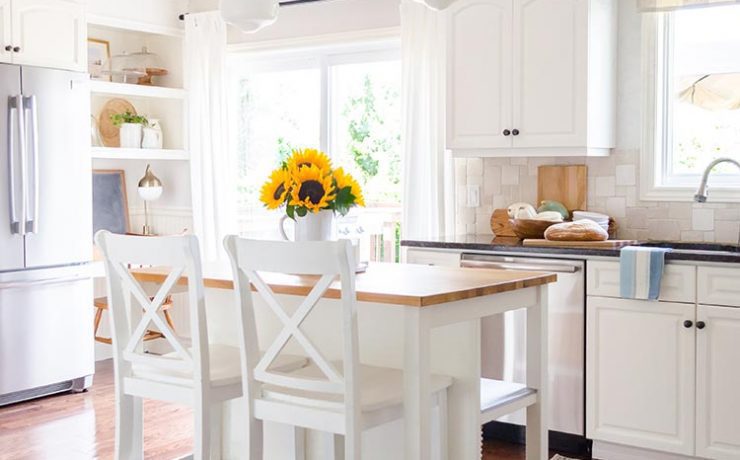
(46, 331)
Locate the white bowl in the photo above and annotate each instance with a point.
(601, 219)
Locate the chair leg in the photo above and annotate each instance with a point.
(202, 428)
(216, 430)
(336, 449)
(353, 445)
(299, 443)
(129, 428)
(255, 439)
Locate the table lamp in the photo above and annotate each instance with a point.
(150, 189)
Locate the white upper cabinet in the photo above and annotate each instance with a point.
(717, 382)
(45, 33)
(479, 49)
(531, 77)
(5, 31)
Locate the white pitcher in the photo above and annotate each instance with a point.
(152, 136)
(311, 227)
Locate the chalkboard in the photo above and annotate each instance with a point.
(110, 205)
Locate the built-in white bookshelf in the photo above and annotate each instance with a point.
(164, 101)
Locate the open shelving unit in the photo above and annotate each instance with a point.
(109, 153)
(165, 102)
(138, 91)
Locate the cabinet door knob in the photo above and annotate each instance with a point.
(687, 324)
(515, 132)
(17, 49)
(701, 324)
(8, 48)
(507, 132)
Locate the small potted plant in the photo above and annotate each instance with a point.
(311, 191)
(131, 128)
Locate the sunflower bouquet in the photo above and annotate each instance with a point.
(306, 182)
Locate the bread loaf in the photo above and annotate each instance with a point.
(581, 230)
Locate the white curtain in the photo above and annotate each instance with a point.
(214, 213)
(428, 201)
(670, 5)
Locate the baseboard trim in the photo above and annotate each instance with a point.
(561, 442)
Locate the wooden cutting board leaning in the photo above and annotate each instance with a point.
(567, 184)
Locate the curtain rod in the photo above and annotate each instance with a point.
(285, 3)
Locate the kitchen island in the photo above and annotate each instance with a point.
(420, 319)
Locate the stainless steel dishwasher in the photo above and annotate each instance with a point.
(504, 339)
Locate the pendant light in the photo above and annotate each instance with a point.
(249, 15)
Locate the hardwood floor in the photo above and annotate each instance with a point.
(81, 427)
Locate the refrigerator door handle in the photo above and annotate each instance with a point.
(14, 118)
(41, 282)
(32, 219)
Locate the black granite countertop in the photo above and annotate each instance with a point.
(701, 252)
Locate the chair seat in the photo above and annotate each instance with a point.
(380, 388)
(225, 363)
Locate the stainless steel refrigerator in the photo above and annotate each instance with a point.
(46, 336)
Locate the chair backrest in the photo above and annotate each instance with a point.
(327, 261)
(131, 319)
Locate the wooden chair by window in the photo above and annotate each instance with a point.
(320, 396)
(202, 375)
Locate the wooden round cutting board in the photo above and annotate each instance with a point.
(109, 133)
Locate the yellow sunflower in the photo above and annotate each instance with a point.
(275, 190)
(309, 157)
(313, 188)
(346, 180)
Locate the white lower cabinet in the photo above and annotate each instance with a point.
(664, 376)
(718, 382)
(640, 373)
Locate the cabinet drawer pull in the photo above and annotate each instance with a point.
(687, 324)
(17, 49)
(8, 48)
(507, 132)
(701, 324)
(515, 132)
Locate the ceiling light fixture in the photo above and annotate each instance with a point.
(249, 16)
(436, 4)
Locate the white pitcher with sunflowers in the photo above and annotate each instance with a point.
(311, 191)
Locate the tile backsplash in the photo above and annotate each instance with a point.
(612, 189)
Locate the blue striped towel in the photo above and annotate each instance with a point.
(640, 272)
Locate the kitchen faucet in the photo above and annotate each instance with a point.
(701, 192)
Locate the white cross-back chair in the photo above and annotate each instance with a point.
(198, 374)
(338, 397)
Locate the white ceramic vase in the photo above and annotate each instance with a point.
(131, 136)
(311, 227)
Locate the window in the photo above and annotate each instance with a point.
(693, 103)
(342, 100)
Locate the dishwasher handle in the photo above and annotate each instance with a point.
(520, 266)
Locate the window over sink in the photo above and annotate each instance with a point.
(342, 99)
(692, 102)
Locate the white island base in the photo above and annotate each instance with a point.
(432, 326)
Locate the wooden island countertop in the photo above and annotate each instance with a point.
(396, 284)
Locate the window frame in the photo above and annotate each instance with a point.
(657, 183)
(321, 57)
